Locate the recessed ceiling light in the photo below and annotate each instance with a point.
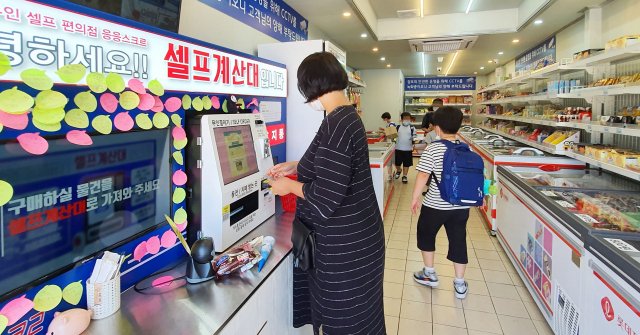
(388, 65)
(516, 40)
(346, 14)
(490, 61)
(363, 35)
(537, 21)
(475, 72)
(375, 49)
(500, 53)
(482, 68)
(383, 58)
(451, 65)
(469, 6)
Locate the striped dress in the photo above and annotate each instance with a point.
(344, 292)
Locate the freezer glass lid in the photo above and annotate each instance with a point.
(574, 178)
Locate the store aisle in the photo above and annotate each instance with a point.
(497, 303)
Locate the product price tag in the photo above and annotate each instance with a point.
(605, 92)
(589, 127)
(548, 193)
(586, 218)
(564, 204)
(599, 164)
(606, 129)
(619, 131)
(579, 94)
(621, 245)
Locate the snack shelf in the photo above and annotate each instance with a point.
(604, 165)
(546, 96)
(429, 105)
(605, 58)
(527, 142)
(356, 83)
(590, 92)
(538, 74)
(621, 129)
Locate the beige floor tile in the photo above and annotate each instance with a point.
(524, 294)
(445, 270)
(399, 237)
(414, 327)
(534, 311)
(488, 264)
(542, 327)
(473, 230)
(517, 326)
(408, 280)
(402, 224)
(388, 223)
(441, 250)
(484, 246)
(392, 306)
(473, 263)
(403, 217)
(448, 316)
(387, 230)
(392, 290)
(503, 291)
(417, 293)
(504, 257)
(413, 238)
(400, 230)
(415, 311)
(396, 253)
(391, 323)
(414, 266)
(477, 332)
(413, 246)
(445, 298)
(448, 330)
(509, 266)
(473, 274)
(486, 322)
(499, 277)
(478, 287)
(415, 256)
(487, 254)
(510, 307)
(398, 245)
(442, 243)
(476, 302)
(394, 276)
(394, 264)
(445, 283)
(471, 253)
(479, 237)
(515, 279)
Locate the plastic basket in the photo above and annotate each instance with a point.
(289, 200)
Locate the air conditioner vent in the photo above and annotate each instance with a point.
(566, 315)
(442, 45)
(409, 13)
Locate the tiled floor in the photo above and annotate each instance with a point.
(497, 302)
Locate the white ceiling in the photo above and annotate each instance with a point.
(386, 9)
(346, 31)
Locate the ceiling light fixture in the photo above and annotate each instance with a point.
(452, 61)
(421, 8)
(469, 6)
(516, 40)
(424, 71)
(490, 61)
(375, 49)
(482, 68)
(500, 53)
(363, 35)
(537, 21)
(346, 14)
(475, 72)
(388, 65)
(383, 58)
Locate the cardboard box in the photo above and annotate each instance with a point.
(390, 132)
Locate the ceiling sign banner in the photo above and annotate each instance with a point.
(440, 84)
(272, 17)
(45, 37)
(541, 52)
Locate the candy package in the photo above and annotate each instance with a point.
(239, 259)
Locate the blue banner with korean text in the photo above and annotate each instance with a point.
(544, 51)
(272, 17)
(440, 84)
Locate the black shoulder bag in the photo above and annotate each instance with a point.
(304, 246)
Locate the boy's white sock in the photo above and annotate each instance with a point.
(429, 270)
(458, 280)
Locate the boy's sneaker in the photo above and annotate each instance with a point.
(404, 179)
(461, 289)
(427, 279)
(397, 175)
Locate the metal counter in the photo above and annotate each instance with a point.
(203, 308)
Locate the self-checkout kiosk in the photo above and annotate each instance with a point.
(227, 196)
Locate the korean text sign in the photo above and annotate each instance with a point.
(272, 17)
(543, 51)
(33, 35)
(440, 84)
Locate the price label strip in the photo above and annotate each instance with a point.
(549, 193)
(621, 245)
(586, 218)
(565, 204)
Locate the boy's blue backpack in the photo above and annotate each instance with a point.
(462, 175)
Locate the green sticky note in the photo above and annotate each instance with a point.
(6, 192)
(97, 82)
(180, 216)
(186, 102)
(15, 101)
(179, 145)
(102, 124)
(36, 79)
(160, 120)
(51, 99)
(206, 102)
(143, 121)
(156, 88)
(177, 155)
(224, 107)
(129, 100)
(179, 195)
(86, 101)
(72, 73)
(48, 116)
(5, 65)
(197, 104)
(176, 119)
(73, 292)
(48, 298)
(47, 127)
(241, 103)
(77, 118)
(115, 83)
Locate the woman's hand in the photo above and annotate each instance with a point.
(283, 169)
(283, 186)
(415, 205)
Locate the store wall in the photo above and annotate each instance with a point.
(384, 93)
(620, 18)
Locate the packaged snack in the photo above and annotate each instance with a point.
(239, 259)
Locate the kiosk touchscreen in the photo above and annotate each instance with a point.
(227, 161)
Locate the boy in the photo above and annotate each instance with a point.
(436, 212)
(404, 146)
(386, 117)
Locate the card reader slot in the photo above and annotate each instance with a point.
(244, 207)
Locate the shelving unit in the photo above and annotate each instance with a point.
(612, 128)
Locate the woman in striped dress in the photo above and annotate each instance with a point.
(336, 199)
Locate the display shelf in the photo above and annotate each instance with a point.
(590, 92)
(356, 83)
(429, 105)
(418, 114)
(525, 141)
(443, 93)
(545, 96)
(605, 58)
(613, 128)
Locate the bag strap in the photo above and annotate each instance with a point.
(432, 176)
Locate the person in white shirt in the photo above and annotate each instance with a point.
(404, 146)
(386, 117)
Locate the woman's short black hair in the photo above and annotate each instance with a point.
(449, 119)
(319, 74)
(386, 115)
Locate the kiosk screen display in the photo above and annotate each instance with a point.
(236, 152)
(73, 202)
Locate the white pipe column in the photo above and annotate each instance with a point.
(593, 28)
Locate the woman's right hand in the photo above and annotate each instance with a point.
(283, 169)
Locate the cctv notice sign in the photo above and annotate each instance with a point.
(440, 84)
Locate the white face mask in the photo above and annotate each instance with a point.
(437, 136)
(316, 105)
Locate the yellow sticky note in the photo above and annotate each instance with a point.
(102, 124)
(73, 292)
(48, 116)
(5, 65)
(180, 216)
(36, 79)
(86, 101)
(177, 155)
(179, 145)
(179, 195)
(6, 192)
(72, 73)
(241, 103)
(1, 127)
(129, 100)
(206, 102)
(176, 119)
(156, 88)
(51, 99)
(143, 121)
(186, 102)
(224, 107)
(3, 323)
(197, 104)
(15, 101)
(48, 298)
(160, 120)
(97, 82)
(115, 83)
(47, 127)
(77, 118)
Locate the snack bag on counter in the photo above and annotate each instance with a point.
(239, 259)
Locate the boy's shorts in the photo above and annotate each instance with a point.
(404, 158)
(455, 223)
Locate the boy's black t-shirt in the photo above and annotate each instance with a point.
(426, 120)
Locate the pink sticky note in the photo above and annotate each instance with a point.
(14, 121)
(146, 101)
(181, 227)
(140, 251)
(254, 101)
(109, 102)
(153, 245)
(137, 86)
(255, 111)
(178, 133)
(215, 102)
(33, 143)
(172, 104)
(123, 121)
(79, 137)
(179, 178)
(162, 281)
(16, 309)
(157, 106)
(168, 239)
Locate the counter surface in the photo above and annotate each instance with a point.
(203, 308)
